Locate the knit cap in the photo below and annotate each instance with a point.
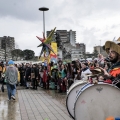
(10, 62)
(117, 118)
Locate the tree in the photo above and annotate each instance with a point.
(95, 53)
(28, 54)
(16, 53)
(36, 58)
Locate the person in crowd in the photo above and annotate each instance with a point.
(85, 70)
(28, 76)
(1, 69)
(78, 76)
(63, 80)
(98, 65)
(11, 77)
(70, 75)
(41, 75)
(51, 65)
(54, 76)
(3, 80)
(18, 74)
(113, 51)
(38, 75)
(74, 68)
(100, 60)
(24, 70)
(34, 76)
(22, 74)
(59, 65)
(91, 66)
(45, 77)
(48, 80)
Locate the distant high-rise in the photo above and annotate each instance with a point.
(72, 35)
(66, 36)
(67, 48)
(7, 44)
(100, 50)
(63, 35)
(82, 47)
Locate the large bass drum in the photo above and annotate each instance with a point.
(71, 95)
(97, 102)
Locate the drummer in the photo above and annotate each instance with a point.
(113, 50)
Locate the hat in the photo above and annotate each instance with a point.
(117, 41)
(114, 46)
(96, 71)
(10, 62)
(55, 67)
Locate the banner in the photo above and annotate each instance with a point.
(53, 57)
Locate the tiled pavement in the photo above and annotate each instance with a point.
(32, 105)
(9, 110)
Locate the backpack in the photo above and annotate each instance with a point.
(11, 75)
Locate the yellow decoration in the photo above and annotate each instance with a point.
(54, 47)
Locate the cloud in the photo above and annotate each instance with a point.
(24, 32)
(92, 20)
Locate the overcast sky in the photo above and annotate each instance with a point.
(93, 20)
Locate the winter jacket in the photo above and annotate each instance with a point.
(11, 75)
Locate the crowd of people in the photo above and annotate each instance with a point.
(61, 75)
(58, 76)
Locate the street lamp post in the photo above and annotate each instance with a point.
(43, 9)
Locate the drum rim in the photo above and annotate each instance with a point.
(78, 84)
(75, 98)
(68, 109)
(81, 91)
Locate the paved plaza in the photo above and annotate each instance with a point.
(34, 105)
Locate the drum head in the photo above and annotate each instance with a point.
(72, 95)
(97, 102)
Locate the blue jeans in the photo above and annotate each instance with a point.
(11, 90)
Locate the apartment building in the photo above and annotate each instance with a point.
(7, 44)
